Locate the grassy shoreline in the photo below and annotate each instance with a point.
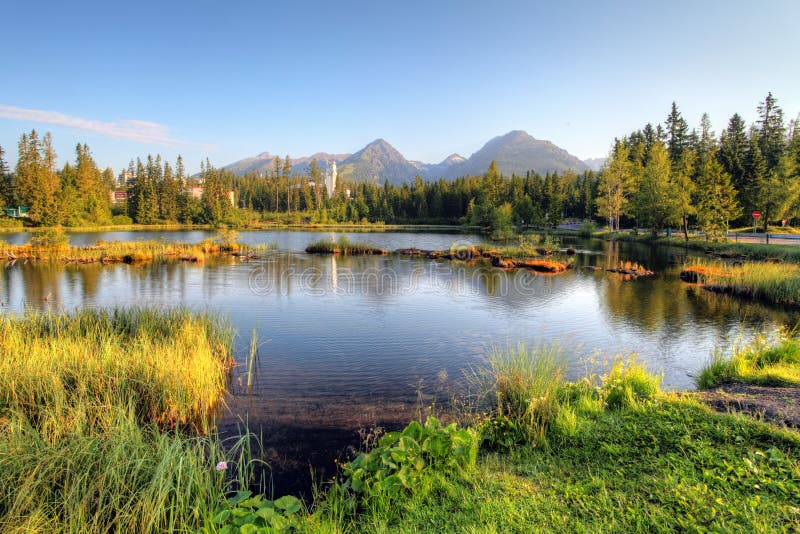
(106, 423)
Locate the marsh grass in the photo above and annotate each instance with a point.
(125, 252)
(764, 362)
(521, 385)
(771, 282)
(102, 421)
(171, 364)
(344, 247)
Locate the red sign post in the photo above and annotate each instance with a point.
(756, 217)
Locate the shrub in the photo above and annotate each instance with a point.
(49, 237)
(586, 229)
(121, 220)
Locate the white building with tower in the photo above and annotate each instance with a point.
(330, 179)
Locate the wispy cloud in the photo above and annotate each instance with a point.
(132, 130)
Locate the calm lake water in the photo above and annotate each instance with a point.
(348, 343)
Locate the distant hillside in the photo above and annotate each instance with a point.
(377, 162)
(265, 162)
(515, 152)
(595, 164)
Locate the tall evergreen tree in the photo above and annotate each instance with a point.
(717, 199)
(655, 203)
(683, 178)
(732, 155)
(677, 132)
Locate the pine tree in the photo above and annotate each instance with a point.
(287, 176)
(6, 184)
(771, 131)
(756, 175)
(38, 182)
(732, 155)
(677, 132)
(682, 177)
(655, 204)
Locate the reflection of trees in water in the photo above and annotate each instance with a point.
(39, 282)
(652, 304)
(670, 306)
(726, 309)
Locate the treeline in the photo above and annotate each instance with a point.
(658, 177)
(529, 199)
(667, 175)
(78, 194)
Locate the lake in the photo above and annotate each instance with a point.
(360, 342)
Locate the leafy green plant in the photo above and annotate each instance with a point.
(402, 460)
(247, 513)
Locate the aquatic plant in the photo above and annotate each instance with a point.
(344, 247)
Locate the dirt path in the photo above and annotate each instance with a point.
(779, 405)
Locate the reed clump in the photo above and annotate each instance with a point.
(344, 247)
(771, 282)
(170, 364)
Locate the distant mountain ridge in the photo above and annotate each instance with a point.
(515, 153)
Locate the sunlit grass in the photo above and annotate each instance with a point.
(764, 362)
(101, 421)
(171, 364)
(772, 282)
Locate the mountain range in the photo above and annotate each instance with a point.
(515, 153)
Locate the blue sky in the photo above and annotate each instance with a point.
(228, 80)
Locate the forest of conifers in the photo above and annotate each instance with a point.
(667, 175)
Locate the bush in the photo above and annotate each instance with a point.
(49, 237)
(121, 220)
(586, 229)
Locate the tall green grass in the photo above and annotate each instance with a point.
(521, 384)
(771, 282)
(763, 362)
(114, 476)
(171, 364)
(99, 419)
